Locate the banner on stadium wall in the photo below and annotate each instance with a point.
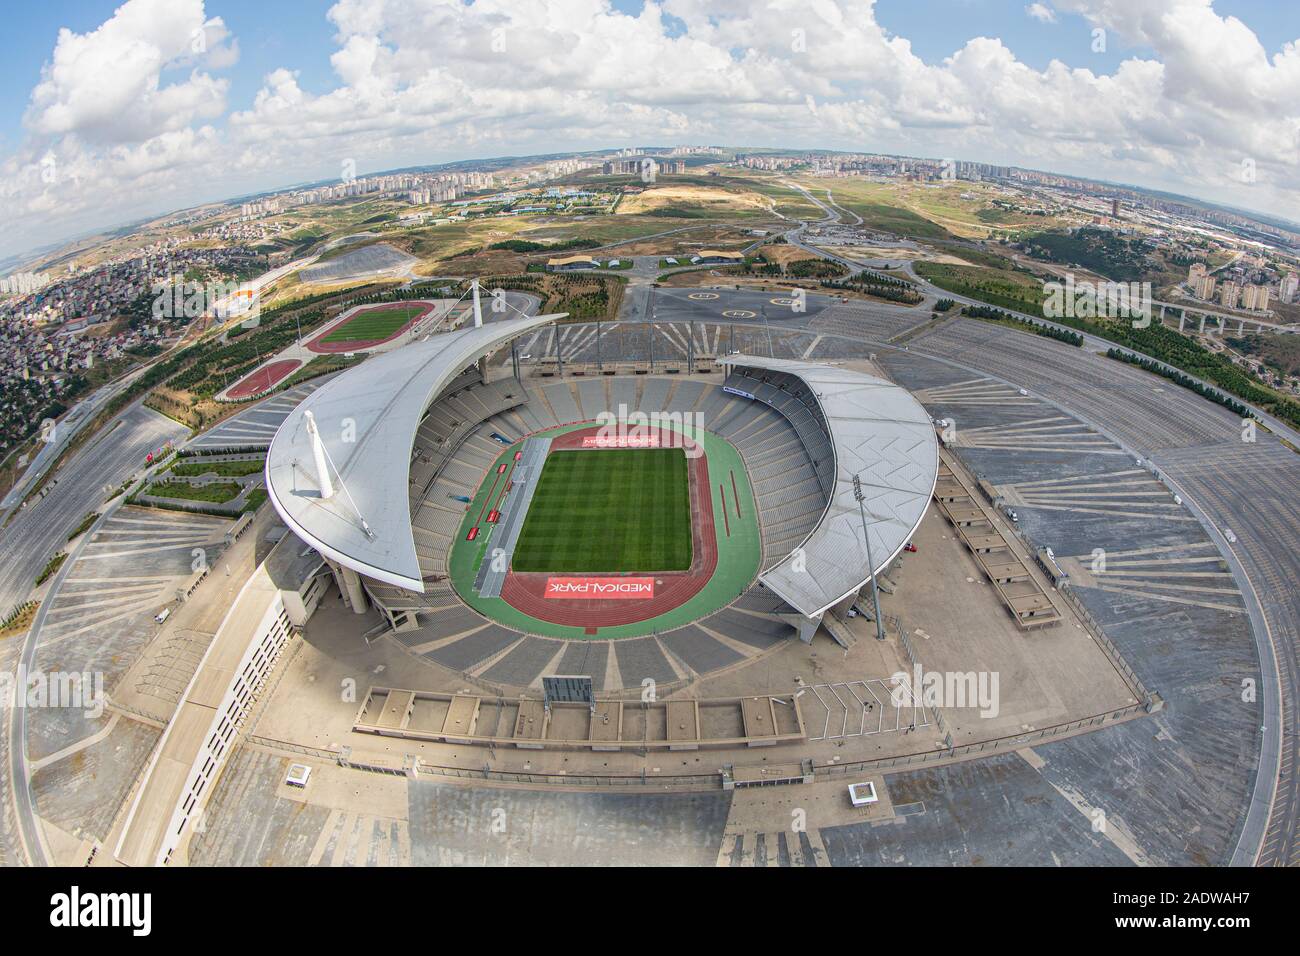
(621, 441)
(604, 589)
(737, 391)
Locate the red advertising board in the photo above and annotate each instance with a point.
(600, 589)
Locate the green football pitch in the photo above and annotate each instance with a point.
(607, 511)
(379, 324)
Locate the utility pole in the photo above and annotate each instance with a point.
(866, 533)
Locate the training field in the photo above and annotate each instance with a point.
(606, 511)
(374, 325)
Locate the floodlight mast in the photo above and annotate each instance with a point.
(866, 533)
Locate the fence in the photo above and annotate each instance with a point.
(711, 781)
(915, 661)
(969, 750)
(1149, 699)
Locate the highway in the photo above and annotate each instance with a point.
(36, 532)
(67, 428)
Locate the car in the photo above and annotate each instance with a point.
(910, 548)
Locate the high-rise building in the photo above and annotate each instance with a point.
(1228, 294)
(1196, 271)
(1255, 297)
(1204, 287)
(1288, 287)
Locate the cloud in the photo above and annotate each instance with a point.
(429, 80)
(105, 86)
(1041, 12)
(121, 119)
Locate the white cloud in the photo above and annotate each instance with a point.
(1041, 12)
(427, 80)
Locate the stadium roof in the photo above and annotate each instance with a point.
(367, 418)
(881, 433)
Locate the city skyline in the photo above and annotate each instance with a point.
(196, 109)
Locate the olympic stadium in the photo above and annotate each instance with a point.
(619, 579)
(419, 474)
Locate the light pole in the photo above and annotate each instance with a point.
(866, 533)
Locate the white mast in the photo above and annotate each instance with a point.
(318, 453)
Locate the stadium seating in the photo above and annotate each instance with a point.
(782, 439)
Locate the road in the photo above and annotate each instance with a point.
(1244, 493)
(65, 431)
(40, 529)
(19, 772)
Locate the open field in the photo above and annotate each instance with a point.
(585, 295)
(691, 200)
(785, 201)
(933, 210)
(1000, 287)
(609, 511)
(782, 253)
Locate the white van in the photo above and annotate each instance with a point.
(162, 615)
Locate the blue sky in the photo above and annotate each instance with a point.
(271, 33)
(296, 34)
(1182, 107)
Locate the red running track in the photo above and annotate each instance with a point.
(526, 592)
(264, 379)
(321, 347)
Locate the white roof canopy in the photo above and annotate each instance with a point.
(880, 433)
(367, 418)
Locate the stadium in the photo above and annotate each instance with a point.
(641, 510)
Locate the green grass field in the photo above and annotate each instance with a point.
(216, 493)
(379, 324)
(608, 511)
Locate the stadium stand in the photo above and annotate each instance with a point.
(454, 448)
